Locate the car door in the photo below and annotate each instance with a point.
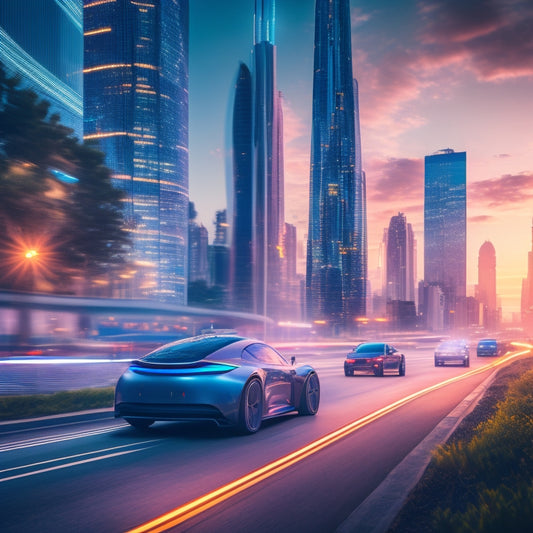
(392, 358)
(279, 378)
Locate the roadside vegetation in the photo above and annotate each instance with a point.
(37, 405)
(481, 479)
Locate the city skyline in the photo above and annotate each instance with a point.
(462, 84)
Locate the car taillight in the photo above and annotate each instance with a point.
(350, 360)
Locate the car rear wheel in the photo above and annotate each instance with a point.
(139, 423)
(251, 409)
(379, 371)
(467, 362)
(348, 372)
(310, 398)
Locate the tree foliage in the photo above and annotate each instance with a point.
(74, 227)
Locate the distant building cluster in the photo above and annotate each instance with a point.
(117, 73)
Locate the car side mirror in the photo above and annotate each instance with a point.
(293, 360)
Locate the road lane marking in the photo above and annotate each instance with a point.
(39, 441)
(74, 463)
(209, 500)
(66, 458)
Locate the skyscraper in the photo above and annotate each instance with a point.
(258, 219)
(337, 239)
(526, 304)
(445, 227)
(136, 106)
(400, 271)
(241, 253)
(42, 41)
(486, 288)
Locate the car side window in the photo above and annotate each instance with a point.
(263, 354)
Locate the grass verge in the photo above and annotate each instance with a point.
(35, 405)
(481, 479)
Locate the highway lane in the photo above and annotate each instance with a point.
(105, 476)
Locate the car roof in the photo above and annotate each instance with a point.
(368, 346)
(197, 348)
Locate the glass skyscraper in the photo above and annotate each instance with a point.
(337, 240)
(445, 226)
(401, 267)
(42, 41)
(136, 106)
(241, 251)
(258, 214)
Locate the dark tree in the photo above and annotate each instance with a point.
(53, 231)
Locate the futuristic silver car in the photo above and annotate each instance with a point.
(231, 380)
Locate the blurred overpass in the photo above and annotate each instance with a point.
(94, 308)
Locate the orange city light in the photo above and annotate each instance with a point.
(30, 254)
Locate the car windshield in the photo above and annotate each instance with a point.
(451, 345)
(375, 347)
(487, 343)
(189, 350)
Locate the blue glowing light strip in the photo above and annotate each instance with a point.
(72, 9)
(19, 61)
(210, 369)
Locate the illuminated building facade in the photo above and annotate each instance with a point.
(445, 227)
(336, 279)
(136, 107)
(258, 211)
(42, 41)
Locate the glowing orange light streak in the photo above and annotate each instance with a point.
(203, 503)
(97, 31)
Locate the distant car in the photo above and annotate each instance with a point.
(230, 380)
(376, 358)
(487, 348)
(454, 352)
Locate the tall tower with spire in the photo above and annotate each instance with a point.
(526, 306)
(258, 217)
(337, 238)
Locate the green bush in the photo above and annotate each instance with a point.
(493, 471)
(19, 407)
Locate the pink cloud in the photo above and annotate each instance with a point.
(491, 38)
(395, 178)
(505, 191)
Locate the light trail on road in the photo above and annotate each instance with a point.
(193, 508)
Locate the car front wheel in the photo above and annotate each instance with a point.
(251, 408)
(310, 398)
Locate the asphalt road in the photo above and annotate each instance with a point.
(102, 475)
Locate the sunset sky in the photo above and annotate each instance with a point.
(432, 75)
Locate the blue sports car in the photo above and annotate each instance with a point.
(230, 380)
